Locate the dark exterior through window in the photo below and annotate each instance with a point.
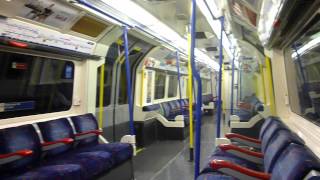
(173, 84)
(34, 85)
(302, 60)
(159, 85)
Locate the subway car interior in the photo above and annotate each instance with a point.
(159, 89)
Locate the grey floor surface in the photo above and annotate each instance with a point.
(169, 160)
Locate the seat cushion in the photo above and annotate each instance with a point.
(214, 176)
(93, 163)
(61, 172)
(120, 152)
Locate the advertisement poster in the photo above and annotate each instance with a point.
(49, 12)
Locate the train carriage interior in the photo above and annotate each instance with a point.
(159, 89)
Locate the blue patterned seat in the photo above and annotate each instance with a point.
(26, 138)
(93, 163)
(279, 142)
(273, 142)
(294, 163)
(61, 172)
(214, 176)
(121, 152)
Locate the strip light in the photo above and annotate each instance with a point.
(142, 19)
(310, 45)
(215, 24)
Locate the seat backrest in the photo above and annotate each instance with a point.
(166, 109)
(268, 121)
(85, 123)
(270, 132)
(20, 138)
(294, 163)
(55, 130)
(172, 105)
(277, 145)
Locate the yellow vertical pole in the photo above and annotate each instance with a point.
(190, 93)
(101, 96)
(270, 82)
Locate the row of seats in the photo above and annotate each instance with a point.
(278, 154)
(206, 99)
(66, 148)
(171, 109)
(248, 108)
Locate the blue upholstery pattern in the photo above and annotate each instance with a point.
(55, 130)
(272, 129)
(120, 151)
(56, 172)
(268, 121)
(93, 163)
(295, 163)
(214, 176)
(166, 110)
(84, 123)
(277, 145)
(19, 138)
(153, 107)
(221, 155)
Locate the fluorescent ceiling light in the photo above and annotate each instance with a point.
(215, 24)
(310, 45)
(139, 17)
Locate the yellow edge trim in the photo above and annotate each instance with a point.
(142, 87)
(101, 95)
(139, 150)
(270, 81)
(190, 92)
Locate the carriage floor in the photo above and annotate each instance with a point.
(169, 160)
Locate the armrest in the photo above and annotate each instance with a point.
(22, 153)
(93, 132)
(228, 147)
(242, 137)
(61, 141)
(237, 171)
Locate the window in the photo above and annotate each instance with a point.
(112, 55)
(107, 84)
(34, 85)
(134, 56)
(159, 85)
(302, 60)
(204, 86)
(173, 85)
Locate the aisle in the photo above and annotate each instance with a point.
(169, 160)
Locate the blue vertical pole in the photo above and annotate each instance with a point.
(128, 75)
(232, 82)
(179, 80)
(199, 95)
(220, 79)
